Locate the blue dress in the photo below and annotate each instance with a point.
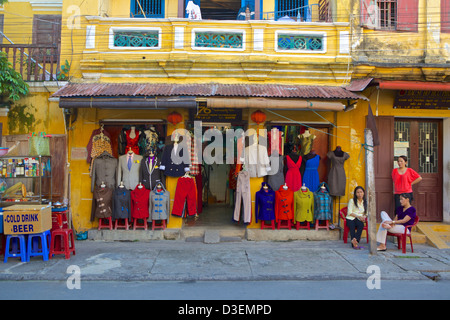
(311, 175)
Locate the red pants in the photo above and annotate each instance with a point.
(186, 190)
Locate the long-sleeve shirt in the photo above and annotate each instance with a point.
(358, 210)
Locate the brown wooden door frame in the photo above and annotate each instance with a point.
(428, 194)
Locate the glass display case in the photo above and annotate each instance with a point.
(25, 180)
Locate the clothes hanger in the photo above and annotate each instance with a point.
(304, 188)
(121, 185)
(285, 187)
(140, 186)
(103, 185)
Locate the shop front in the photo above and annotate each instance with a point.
(123, 138)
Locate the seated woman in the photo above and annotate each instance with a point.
(404, 217)
(356, 215)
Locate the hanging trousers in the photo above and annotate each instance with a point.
(243, 194)
(186, 191)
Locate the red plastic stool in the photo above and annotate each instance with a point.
(321, 226)
(66, 242)
(299, 225)
(107, 225)
(118, 225)
(136, 225)
(3, 243)
(264, 225)
(287, 226)
(161, 225)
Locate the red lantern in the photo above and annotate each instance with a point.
(174, 118)
(258, 116)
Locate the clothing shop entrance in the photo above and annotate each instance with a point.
(218, 183)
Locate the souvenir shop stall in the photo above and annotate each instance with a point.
(293, 194)
(129, 165)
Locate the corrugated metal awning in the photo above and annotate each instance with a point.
(92, 90)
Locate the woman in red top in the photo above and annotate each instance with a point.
(404, 178)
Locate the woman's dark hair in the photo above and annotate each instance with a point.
(355, 199)
(406, 196)
(404, 158)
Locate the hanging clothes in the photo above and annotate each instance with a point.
(337, 179)
(323, 209)
(102, 203)
(185, 192)
(293, 177)
(140, 199)
(265, 203)
(284, 204)
(150, 173)
(193, 11)
(121, 204)
(303, 206)
(311, 174)
(159, 204)
(306, 142)
(98, 134)
(243, 194)
(128, 170)
(172, 169)
(103, 170)
(276, 178)
(133, 143)
(257, 160)
(150, 141)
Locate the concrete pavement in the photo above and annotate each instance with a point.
(182, 260)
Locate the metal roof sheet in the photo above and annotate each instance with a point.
(204, 90)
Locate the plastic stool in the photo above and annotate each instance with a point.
(66, 241)
(136, 225)
(287, 226)
(319, 226)
(117, 225)
(302, 226)
(18, 242)
(102, 225)
(33, 245)
(268, 226)
(162, 225)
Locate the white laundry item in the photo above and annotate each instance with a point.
(193, 11)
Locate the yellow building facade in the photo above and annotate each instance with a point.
(314, 55)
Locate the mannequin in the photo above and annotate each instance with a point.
(306, 142)
(338, 152)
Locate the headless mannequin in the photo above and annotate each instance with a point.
(338, 152)
(294, 156)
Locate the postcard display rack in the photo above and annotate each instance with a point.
(25, 180)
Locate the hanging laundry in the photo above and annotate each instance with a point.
(193, 11)
(243, 194)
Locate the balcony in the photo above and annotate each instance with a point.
(179, 48)
(34, 62)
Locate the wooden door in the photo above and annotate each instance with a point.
(421, 141)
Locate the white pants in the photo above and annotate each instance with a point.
(382, 232)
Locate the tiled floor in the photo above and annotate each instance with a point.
(214, 215)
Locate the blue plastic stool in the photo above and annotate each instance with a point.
(33, 248)
(18, 242)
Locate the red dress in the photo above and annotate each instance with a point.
(132, 143)
(293, 176)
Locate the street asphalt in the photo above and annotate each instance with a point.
(181, 260)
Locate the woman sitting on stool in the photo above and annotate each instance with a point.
(404, 217)
(356, 215)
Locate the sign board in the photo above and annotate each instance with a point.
(27, 219)
(206, 114)
(417, 99)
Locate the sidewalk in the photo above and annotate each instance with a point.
(244, 260)
(180, 260)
